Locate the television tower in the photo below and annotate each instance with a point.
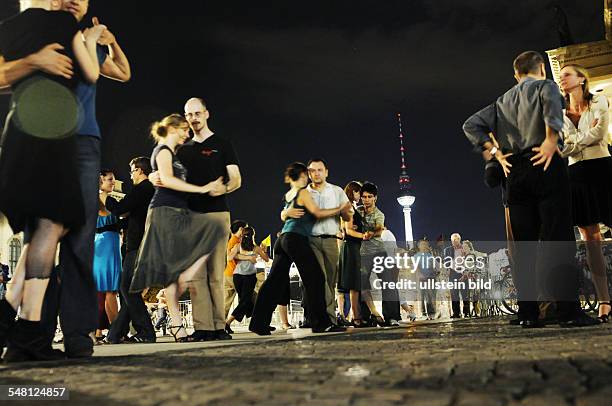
(405, 197)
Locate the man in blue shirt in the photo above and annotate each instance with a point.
(526, 121)
(75, 298)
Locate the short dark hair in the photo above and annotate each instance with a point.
(528, 62)
(318, 160)
(236, 225)
(143, 163)
(295, 169)
(370, 188)
(105, 171)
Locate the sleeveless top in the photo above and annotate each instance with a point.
(358, 223)
(164, 196)
(304, 224)
(245, 267)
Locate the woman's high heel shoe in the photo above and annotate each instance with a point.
(177, 339)
(358, 323)
(604, 318)
(377, 321)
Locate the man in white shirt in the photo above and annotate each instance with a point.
(326, 232)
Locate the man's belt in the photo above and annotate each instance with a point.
(326, 236)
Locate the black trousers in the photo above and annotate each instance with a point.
(390, 297)
(289, 248)
(75, 298)
(459, 294)
(133, 308)
(544, 247)
(245, 287)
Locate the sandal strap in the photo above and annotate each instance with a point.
(176, 327)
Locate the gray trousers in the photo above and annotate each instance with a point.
(327, 252)
(206, 288)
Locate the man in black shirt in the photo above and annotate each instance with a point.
(206, 157)
(135, 205)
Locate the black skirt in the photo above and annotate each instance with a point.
(350, 266)
(39, 179)
(591, 191)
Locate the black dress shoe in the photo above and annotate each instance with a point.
(329, 329)
(27, 342)
(260, 332)
(272, 328)
(138, 339)
(228, 329)
(222, 335)
(7, 320)
(581, 320)
(532, 324)
(202, 335)
(514, 322)
(455, 316)
(305, 324)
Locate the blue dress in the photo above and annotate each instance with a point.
(107, 256)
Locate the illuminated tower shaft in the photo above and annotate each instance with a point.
(405, 198)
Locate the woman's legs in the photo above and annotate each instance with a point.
(597, 265)
(111, 306)
(367, 297)
(270, 293)
(245, 287)
(355, 306)
(239, 288)
(282, 312)
(38, 265)
(27, 339)
(188, 274)
(312, 276)
(14, 288)
(340, 296)
(172, 299)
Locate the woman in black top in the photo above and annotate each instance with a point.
(38, 160)
(350, 258)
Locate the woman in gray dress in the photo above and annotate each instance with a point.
(173, 246)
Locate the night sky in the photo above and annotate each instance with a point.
(287, 81)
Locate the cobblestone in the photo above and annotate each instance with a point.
(468, 362)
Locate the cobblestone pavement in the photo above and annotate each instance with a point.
(468, 362)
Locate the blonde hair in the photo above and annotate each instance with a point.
(159, 129)
(581, 72)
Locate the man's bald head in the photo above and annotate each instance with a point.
(197, 114)
(195, 103)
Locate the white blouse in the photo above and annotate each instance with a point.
(587, 142)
